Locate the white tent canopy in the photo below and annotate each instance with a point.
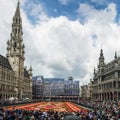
(11, 98)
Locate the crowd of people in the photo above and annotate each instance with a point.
(103, 111)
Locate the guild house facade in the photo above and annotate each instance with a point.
(106, 81)
(15, 79)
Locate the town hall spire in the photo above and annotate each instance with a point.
(17, 12)
(15, 46)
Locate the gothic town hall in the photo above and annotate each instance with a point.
(15, 79)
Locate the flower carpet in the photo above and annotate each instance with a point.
(47, 106)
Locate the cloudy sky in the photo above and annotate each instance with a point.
(63, 37)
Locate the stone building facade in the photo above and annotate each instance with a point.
(54, 87)
(85, 91)
(106, 81)
(71, 88)
(37, 87)
(15, 79)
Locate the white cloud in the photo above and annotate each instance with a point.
(35, 10)
(103, 16)
(5, 19)
(59, 47)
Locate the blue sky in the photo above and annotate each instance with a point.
(63, 37)
(56, 8)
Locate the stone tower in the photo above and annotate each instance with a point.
(101, 65)
(15, 46)
(101, 60)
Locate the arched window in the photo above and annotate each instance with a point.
(18, 31)
(114, 83)
(15, 30)
(16, 20)
(15, 45)
(19, 20)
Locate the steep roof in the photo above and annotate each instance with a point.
(54, 79)
(5, 63)
(17, 12)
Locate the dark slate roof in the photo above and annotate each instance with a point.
(26, 74)
(5, 63)
(54, 79)
(34, 78)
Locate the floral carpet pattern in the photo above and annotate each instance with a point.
(47, 106)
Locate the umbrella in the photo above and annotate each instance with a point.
(72, 117)
(16, 98)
